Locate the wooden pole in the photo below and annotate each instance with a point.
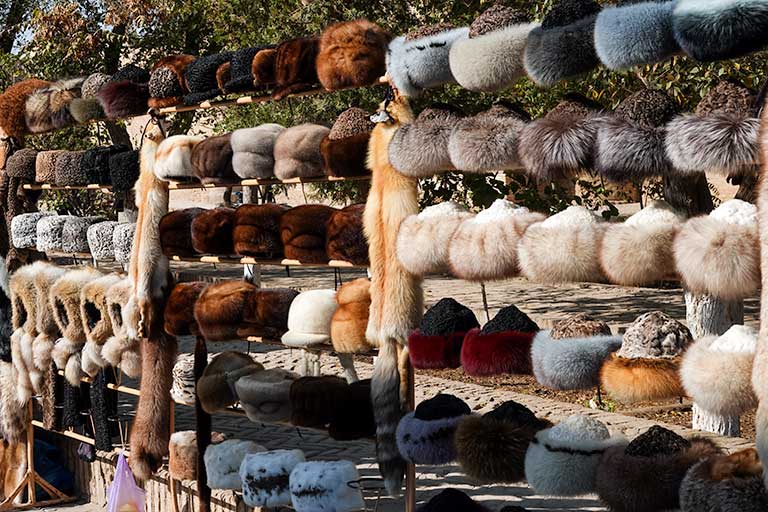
(410, 470)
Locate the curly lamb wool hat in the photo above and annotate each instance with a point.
(101, 240)
(253, 150)
(212, 231)
(648, 236)
(216, 386)
(325, 485)
(223, 460)
(200, 77)
(121, 350)
(45, 165)
(95, 163)
(437, 342)
(719, 253)
(345, 148)
(123, 170)
(309, 319)
(167, 85)
(50, 229)
(241, 69)
(176, 232)
(313, 399)
(266, 477)
(303, 232)
(68, 169)
(48, 108)
(265, 395)
(13, 106)
(563, 46)
(345, 239)
(97, 322)
(425, 436)
(295, 66)
(122, 241)
(420, 149)
(257, 230)
(563, 460)
(24, 229)
(173, 158)
(351, 54)
(646, 366)
(21, 164)
(297, 151)
(579, 325)
(484, 247)
(420, 59)
(74, 234)
(635, 33)
(350, 320)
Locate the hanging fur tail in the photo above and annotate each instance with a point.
(760, 368)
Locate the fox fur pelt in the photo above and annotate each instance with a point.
(626, 151)
(396, 295)
(24, 313)
(351, 54)
(350, 319)
(13, 106)
(96, 322)
(47, 330)
(635, 380)
(13, 413)
(48, 108)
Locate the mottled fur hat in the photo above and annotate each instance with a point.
(176, 232)
(212, 231)
(123, 241)
(216, 386)
(21, 164)
(87, 107)
(179, 313)
(425, 436)
(420, 149)
(101, 240)
(48, 108)
(345, 148)
(49, 232)
(437, 342)
(579, 325)
(13, 106)
(24, 229)
(257, 230)
(303, 232)
(45, 166)
(266, 477)
(325, 485)
(74, 234)
(265, 395)
(173, 158)
(297, 151)
(295, 69)
(212, 160)
(351, 54)
(200, 77)
(167, 86)
(345, 240)
(223, 460)
(253, 151)
(350, 319)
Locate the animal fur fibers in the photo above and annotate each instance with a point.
(313, 399)
(257, 230)
(266, 477)
(636, 380)
(435, 352)
(45, 275)
(223, 460)
(297, 151)
(345, 157)
(630, 483)
(179, 315)
(173, 157)
(212, 160)
(253, 150)
(638, 255)
(721, 142)
(573, 363)
(182, 456)
(96, 322)
(175, 231)
(427, 442)
(212, 231)
(295, 69)
(101, 238)
(216, 386)
(718, 258)
(576, 258)
(121, 350)
(345, 240)
(47, 108)
(124, 98)
(74, 234)
(496, 353)
(303, 232)
(626, 151)
(351, 54)
(323, 486)
(714, 30)
(420, 149)
(350, 319)
(13, 415)
(760, 371)
(167, 86)
(263, 68)
(13, 106)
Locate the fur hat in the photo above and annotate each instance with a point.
(572, 363)
(491, 448)
(562, 142)
(68, 169)
(101, 240)
(488, 141)
(45, 275)
(350, 319)
(200, 77)
(13, 106)
(179, 314)
(24, 229)
(303, 232)
(257, 230)
(325, 485)
(167, 86)
(241, 69)
(484, 247)
(121, 350)
(577, 228)
(49, 232)
(176, 232)
(351, 54)
(352, 418)
(253, 151)
(237, 309)
(212, 231)
(725, 482)
(563, 46)
(173, 159)
(563, 460)
(314, 398)
(420, 59)
(438, 340)
(265, 477)
(183, 387)
(265, 395)
(579, 325)
(216, 386)
(494, 352)
(635, 34)
(21, 164)
(295, 66)
(123, 241)
(297, 151)
(345, 148)
(87, 107)
(48, 108)
(623, 474)
(95, 162)
(646, 366)
(182, 454)
(124, 98)
(96, 322)
(491, 58)
(420, 149)
(345, 240)
(452, 500)
(425, 436)
(263, 68)
(730, 357)
(74, 234)
(212, 160)
(23, 319)
(45, 166)
(309, 319)
(648, 236)
(14, 419)
(223, 460)
(719, 254)
(712, 31)
(123, 170)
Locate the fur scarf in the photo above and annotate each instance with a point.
(24, 314)
(303, 232)
(351, 54)
(48, 108)
(13, 102)
(420, 149)
(345, 240)
(350, 319)
(96, 322)
(297, 151)
(13, 414)
(45, 275)
(295, 69)
(630, 380)
(257, 230)
(121, 350)
(211, 231)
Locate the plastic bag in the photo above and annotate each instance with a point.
(124, 495)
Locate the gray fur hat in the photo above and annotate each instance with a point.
(563, 46)
(635, 34)
(253, 150)
(101, 239)
(74, 234)
(49, 232)
(297, 151)
(419, 60)
(24, 229)
(420, 149)
(21, 164)
(45, 166)
(122, 241)
(68, 169)
(265, 395)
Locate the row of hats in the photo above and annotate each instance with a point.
(117, 166)
(643, 138)
(74, 318)
(268, 478)
(311, 233)
(716, 254)
(48, 232)
(236, 309)
(503, 44)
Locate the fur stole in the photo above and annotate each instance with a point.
(630, 380)
(351, 54)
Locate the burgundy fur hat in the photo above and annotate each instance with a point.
(352, 417)
(345, 240)
(212, 231)
(295, 66)
(13, 106)
(345, 148)
(263, 68)
(167, 86)
(436, 344)
(212, 160)
(176, 232)
(303, 232)
(179, 310)
(124, 98)
(352, 54)
(256, 231)
(313, 400)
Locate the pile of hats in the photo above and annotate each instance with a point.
(313, 234)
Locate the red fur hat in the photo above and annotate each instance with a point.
(212, 231)
(295, 66)
(179, 309)
(352, 54)
(303, 232)
(496, 353)
(176, 232)
(13, 106)
(345, 240)
(257, 230)
(435, 352)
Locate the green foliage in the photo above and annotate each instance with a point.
(78, 202)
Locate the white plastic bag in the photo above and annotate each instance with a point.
(124, 495)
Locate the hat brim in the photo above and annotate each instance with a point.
(300, 339)
(541, 264)
(435, 352)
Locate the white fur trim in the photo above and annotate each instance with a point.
(223, 460)
(573, 216)
(655, 213)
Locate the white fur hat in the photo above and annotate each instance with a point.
(324, 486)
(49, 232)
(74, 234)
(223, 460)
(253, 150)
(266, 475)
(173, 159)
(309, 318)
(101, 239)
(47, 331)
(24, 229)
(122, 241)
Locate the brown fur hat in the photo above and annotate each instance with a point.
(297, 151)
(345, 240)
(180, 308)
(13, 106)
(303, 232)
(212, 231)
(176, 232)
(350, 319)
(166, 83)
(256, 230)
(237, 309)
(352, 54)
(223, 75)
(45, 166)
(634, 380)
(216, 387)
(579, 325)
(345, 148)
(263, 68)
(48, 108)
(352, 417)
(313, 400)
(212, 160)
(295, 66)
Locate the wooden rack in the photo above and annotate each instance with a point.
(247, 260)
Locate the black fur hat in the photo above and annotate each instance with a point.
(95, 163)
(200, 77)
(452, 500)
(123, 170)
(241, 71)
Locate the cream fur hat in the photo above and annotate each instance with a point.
(173, 159)
(309, 319)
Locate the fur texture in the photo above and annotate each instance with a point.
(253, 150)
(760, 372)
(74, 234)
(223, 460)
(257, 230)
(21, 164)
(637, 380)
(352, 417)
(420, 149)
(313, 399)
(96, 321)
(68, 168)
(13, 106)
(123, 170)
(309, 319)
(200, 77)
(295, 69)
(350, 319)
(263, 68)
(427, 441)
(175, 230)
(45, 166)
(638, 255)
(121, 350)
(216, 386)
(13, 415)
(351, 54)
(323, 486)
(297, 151)
(303, 232)
(124, 98)
(240, 76)
(496, 353)
(345, 157)
(101, 240)
(167, 86)
(212, 231)
(212, 160)
(173, 158)
(182, 455)
(626, 151)
(265, 477)
(435, 352)
(122, 240)
(45, 275)
(572, 363)
(345, 240)
(48, 108)
(179, 310)
(265, 395)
